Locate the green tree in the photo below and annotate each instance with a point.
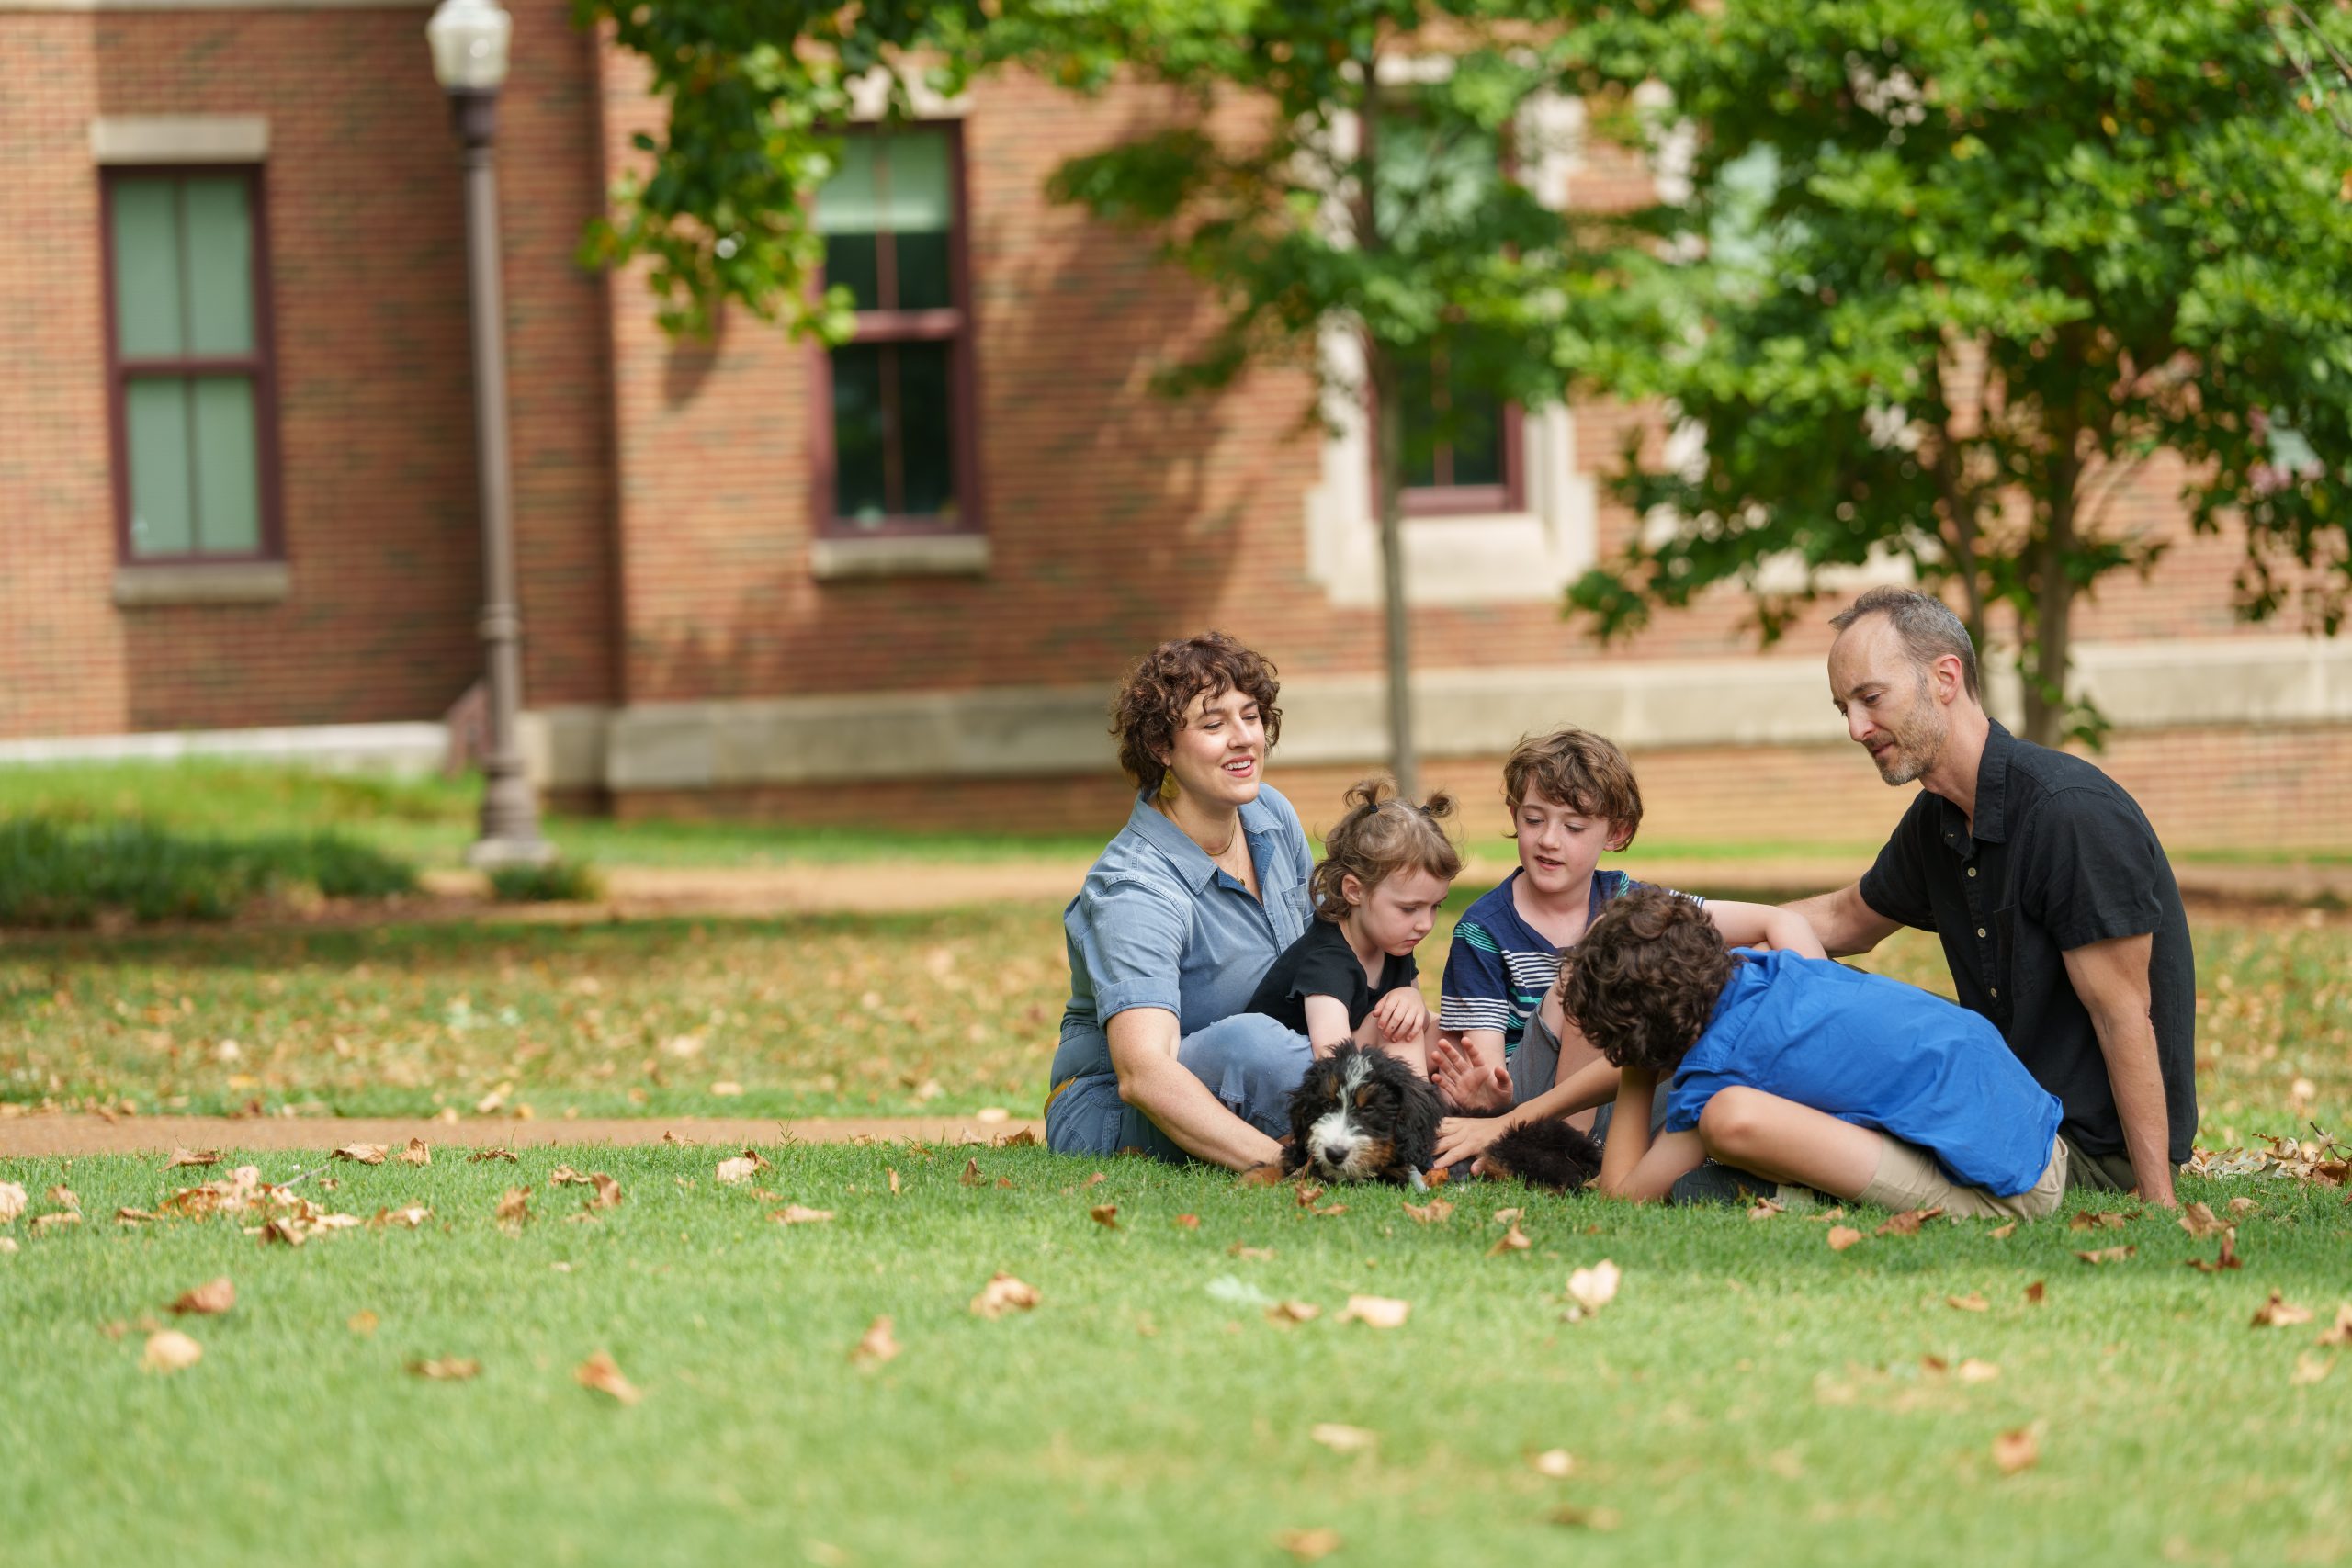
(1341, 171)
(1948, 275)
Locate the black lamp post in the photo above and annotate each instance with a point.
(468, 39)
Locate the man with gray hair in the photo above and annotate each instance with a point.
(2055, 902)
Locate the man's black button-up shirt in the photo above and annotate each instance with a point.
(2058, 857)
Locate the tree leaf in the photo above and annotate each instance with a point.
(1512, 1240)
(1308, 1546)
(2199, 1220)
(1969, 1303)
(417, 1153)
(1002, 1294)
(363, 1153)
(1340, 1437)
(446, 1369)
(602, 1375)
(876, 1345)
(794, 1215)
(1908, 1221)
(209, 1299)
(1594, 1288)
(1843, 1236)
(2107, 1255)
(1436, 1212)
(2014, 1451)
(1557, 1464)
(2279, 1313)
(192, 1157)
(1376, 1312)
(169, 1350)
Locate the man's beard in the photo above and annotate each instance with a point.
(1919, 741)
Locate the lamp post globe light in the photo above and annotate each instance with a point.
(468, 39)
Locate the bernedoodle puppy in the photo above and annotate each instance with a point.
(1361, 1115)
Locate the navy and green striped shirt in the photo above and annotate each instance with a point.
(1499, 967)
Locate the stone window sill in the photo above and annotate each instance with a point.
(899, 555)
(202, 583)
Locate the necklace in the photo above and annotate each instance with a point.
(1217, 853)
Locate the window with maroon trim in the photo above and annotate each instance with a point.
(190, 372)
(897, 453)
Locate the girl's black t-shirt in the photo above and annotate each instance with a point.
(1321, 964)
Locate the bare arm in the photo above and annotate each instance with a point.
(1327, 1025)
(1765, 925)
(1844, 924)
(1143, 1053)
(1631, 1164)
(2111, 978)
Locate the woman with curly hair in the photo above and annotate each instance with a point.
(1179, 919)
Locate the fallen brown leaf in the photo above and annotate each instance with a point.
(1287, 1313)
(1024, 1139)
(62, 1196)
(1001, 1294)
(1575, 1517)
(971, 1177)
(1436, 1212)
(1095, 1180)
(1340, 1437)
(1828, 1216)
(361, 1322)
(1975, 1371)
(1512, 1240)
(608, 1191)
(1308, 1546)
(737, 1170)
(1005, 1182)
(480, 1155)
(50, 1221)
(2200, 1221)
(2229, 1255)
(2101, 1219)
(1908, 1221)
(1557, 1464)
(2036, 1293)
(794, 1215)
(514, 1207)
(564, 1176)
(1308, 1195)
(169, 1350)
(12, 1201)
(210, 1298)
(133, 1216)
(1591, 1289)
(1969, 1303)
(2279, 1313)
(412, 1216)
(892, 1172)
(602, 1375)
(2003, 1233)
(1508, 1216)
(417, 1153)
(2309, 1368)
(446, 1369)
(1106, 1215)
(876, 1345)
(1377, 1312)
(2340, 1331)
(2107, 1255)
(2014, 1451)
(192, 1156)
(1252, 1254)
(364, 1154)
(1324, 1211)
(1187, 1222)
(2242, 1206)
(1765, 1209)
(1843, 1236)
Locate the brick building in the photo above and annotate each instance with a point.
(236, 470)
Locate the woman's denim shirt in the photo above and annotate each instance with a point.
(1158, 925)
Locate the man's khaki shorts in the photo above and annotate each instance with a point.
(1910, 1178)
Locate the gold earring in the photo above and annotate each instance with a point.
(1167, 786)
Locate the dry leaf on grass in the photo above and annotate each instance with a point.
(2199, 1220)
(1252, 1253)
(1284, 1314)
(1340, 1437)
(1575, 1517)
(1843, 1236)
(1378, 1312)
(737, 1170)
(2309, 1368)
(1187, 1222)
(1591, 1289)
(361, 1322)
(1308, 1546)
(411, 1216)
(2107, 1255)
(446, 1369)
(1975, 1371)
(1557, 1464)
(2229, 1255)
(1969, 1303)
(1106, 1215)
(62, 1196)
(363, 1153)
(2014, 1451)
(608, 1191)
(2241, 1206)
(1512, 1240)
(1436, 1212)
(2279, 1313)
(1765, 1209)
(133, 1216)
(480, 1155)
(7, 1244)
(417, 1153)
(2003, 1233)
(794, 1215)
(514, 1207)
(1001, 1294)
(1908, 1221)
(564, 1176)
(12, 1201)
(892, 1172)
(1324, 1211)
(192, 1156)
(2036, 1293)
(876, 1345)
(209, 1299)
(601, 1374)
(1508, 1216)
(1828, 1216)
(2101, 1219)
(1095, 1180)
(169, 1350)
(1308, 1195)
(2340, 1331)
(1024, 1139)
(50, 1221)
(971, 1177)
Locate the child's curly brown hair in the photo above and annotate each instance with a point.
(1645, 979)
(1379, 836)
(1580, 770)
(1160, 687)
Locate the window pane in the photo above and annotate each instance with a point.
(849, 203)
(850, 262)
(917, 188)
(923, 282)
(857, 433)
(228, 468)
(927, 425)
(1476, 438)
(219, 266)
(1417, 389)
(155, 418)
(147, 269)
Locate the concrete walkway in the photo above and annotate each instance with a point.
(38, 1137)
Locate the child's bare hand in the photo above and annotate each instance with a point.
(1466, 1137)
(1466, 1082)
(1402, 1015)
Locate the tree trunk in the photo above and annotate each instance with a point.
(2046, 702)
(1402, 759)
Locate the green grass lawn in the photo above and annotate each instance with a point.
(857, 1015)
(1751, 1397)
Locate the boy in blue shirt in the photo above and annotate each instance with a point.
(1803, 1071)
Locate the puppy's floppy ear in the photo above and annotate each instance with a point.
(1416, 1122)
